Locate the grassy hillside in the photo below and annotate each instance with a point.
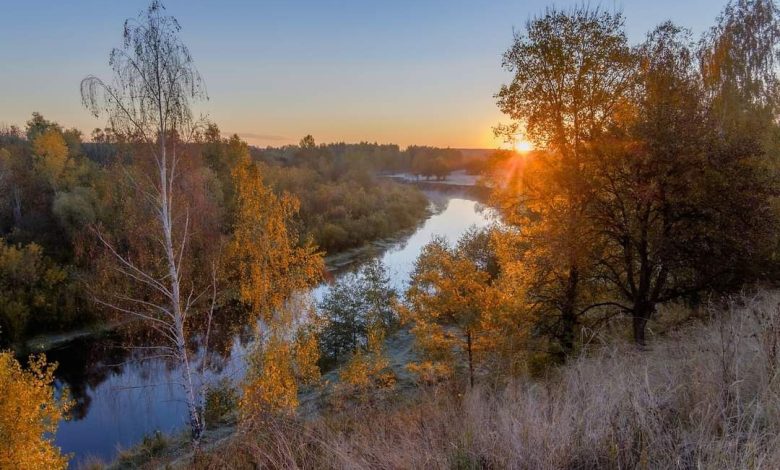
(705, 395)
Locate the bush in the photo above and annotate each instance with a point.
(34, 292)
(221, 402)
(151, 447)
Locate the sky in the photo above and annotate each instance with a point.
(402, 71)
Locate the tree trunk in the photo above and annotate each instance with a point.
(17, 207)
(166, 220)
(642, 313)
(471, 358)
(568, 314)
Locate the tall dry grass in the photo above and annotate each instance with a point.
(704, 397)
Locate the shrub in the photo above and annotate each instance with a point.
(221, 401)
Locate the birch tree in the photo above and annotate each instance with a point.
(149, 101)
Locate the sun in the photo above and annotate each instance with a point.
(523, 146)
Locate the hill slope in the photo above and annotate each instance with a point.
(705, 396)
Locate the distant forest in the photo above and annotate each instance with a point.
(62, 186)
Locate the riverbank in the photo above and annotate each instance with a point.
(703, 395)
(124, 396)
(175, 451)
(47, 342)
(334, 263)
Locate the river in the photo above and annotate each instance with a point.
(122, 396)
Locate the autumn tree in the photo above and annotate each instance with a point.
(150, 101)
(35, 172)
(270, 264)
(573, 70)
(32, 290)
(280, 363)
(738, 65)
(651, 204)
(51, 154)
(266, 258)
(30, 412)
(368, 368)
(668, 233)
(451, 299)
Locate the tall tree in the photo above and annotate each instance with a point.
(450, 300)
(150, 101)
(667, 230)
(650, 206)
(269, 263)
(573, 70)
(266, 258)
(738, 63)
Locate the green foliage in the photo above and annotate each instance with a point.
(33, 291)
(75, 209)
(343, 205)
(357, 304)
(221, 401)
(431, 162)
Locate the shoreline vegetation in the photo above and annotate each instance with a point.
(67, 304)
(336, 262)
(704, 389)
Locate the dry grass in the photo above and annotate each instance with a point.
(705, 397)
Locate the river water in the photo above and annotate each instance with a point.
(122, 396)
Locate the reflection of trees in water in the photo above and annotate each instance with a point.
(87, 362)
(440, 194)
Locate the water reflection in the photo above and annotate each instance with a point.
(122, 395)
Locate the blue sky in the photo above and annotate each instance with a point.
(406, 72)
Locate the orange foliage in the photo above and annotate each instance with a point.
(266, 255)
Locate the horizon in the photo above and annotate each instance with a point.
(407, 74)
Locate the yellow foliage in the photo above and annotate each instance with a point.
(429, 372)
(271, 264)
(358, 371)
(271, 385)
(548, 246)
(306, 354)
(51, 153)
(276, 369)
(368, 369)
(451, 300)
(29, 414)
(265, 254)
(437, 344)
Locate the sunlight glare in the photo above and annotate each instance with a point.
(523, 146)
